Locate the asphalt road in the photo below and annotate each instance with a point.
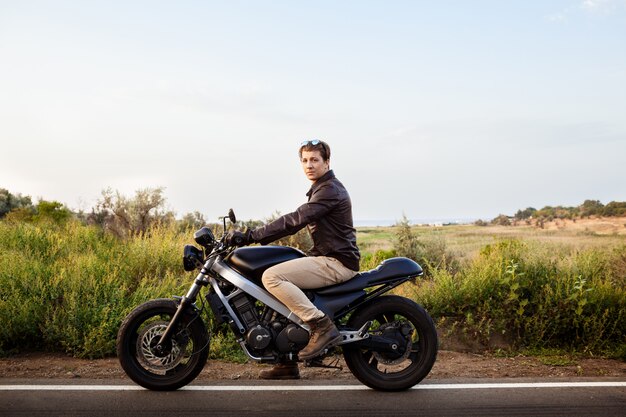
(319, 398)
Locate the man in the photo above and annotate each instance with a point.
(333, 259)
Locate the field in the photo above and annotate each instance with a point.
(467, 240)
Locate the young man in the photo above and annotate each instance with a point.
(334, 257)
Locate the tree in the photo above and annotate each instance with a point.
(52, 211)
(9, 202)
(615, 208)
(591, 208)
(525, 214)
(193, 220)
(128, 216)
(501, 220)
(407, 243)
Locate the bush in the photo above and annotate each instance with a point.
(52, 211)
(67, 288)
(501, 220)
(430, 251)
(535, 297)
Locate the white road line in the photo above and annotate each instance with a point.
(511, 385)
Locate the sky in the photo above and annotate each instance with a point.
(433, 110)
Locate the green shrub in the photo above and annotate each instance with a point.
(428, 250)
(68, 287)
(536, 296)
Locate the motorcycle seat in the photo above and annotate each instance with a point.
(389, 270)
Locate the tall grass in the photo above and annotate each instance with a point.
(68, 287)
(535, 295)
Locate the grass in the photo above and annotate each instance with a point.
(468, 240)
(523, 287)
(67, 287)
(554, 357)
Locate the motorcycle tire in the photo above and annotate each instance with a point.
(383, 371)
(170, 370)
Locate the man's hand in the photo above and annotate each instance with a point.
(237, 238)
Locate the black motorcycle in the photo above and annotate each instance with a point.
(388, 342)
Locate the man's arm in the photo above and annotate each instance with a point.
(321, 202)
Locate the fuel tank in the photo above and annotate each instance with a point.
(252, 261)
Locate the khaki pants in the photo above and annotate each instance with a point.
(284, 281)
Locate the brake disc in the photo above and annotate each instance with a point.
(383, 357)
(151, 360)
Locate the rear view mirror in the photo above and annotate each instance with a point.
(231, 216)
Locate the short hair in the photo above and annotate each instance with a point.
(320, 146)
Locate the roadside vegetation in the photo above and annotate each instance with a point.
(68, 279)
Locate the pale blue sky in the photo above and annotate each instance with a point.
(449, 109)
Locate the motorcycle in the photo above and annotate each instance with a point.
(389, 342)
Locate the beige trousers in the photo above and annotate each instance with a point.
(285, 280)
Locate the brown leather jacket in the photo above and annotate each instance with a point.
(328, 214)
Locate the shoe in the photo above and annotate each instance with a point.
(287, 370)
(323, 335)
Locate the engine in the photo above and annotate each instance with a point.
(268, 327)
(292, 338)
(258, 337)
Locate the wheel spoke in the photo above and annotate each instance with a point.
(385, 318)
(374, 362)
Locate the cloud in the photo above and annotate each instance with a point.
(602, 6)
(588, 7)
(595, 4)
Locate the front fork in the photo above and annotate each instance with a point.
(202, 280)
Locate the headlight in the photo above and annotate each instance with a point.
(204, 237)
(192, 258)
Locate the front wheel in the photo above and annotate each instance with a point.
(168, 369)
(407, 323)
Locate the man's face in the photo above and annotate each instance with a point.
(314, 165)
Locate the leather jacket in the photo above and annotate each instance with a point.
(328, 215)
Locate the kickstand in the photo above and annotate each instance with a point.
(318, 363)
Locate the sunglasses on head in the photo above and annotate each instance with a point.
(316, 142)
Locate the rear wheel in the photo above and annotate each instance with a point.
(172, 367)
(410, 327)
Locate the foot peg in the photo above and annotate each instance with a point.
(355, 335)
